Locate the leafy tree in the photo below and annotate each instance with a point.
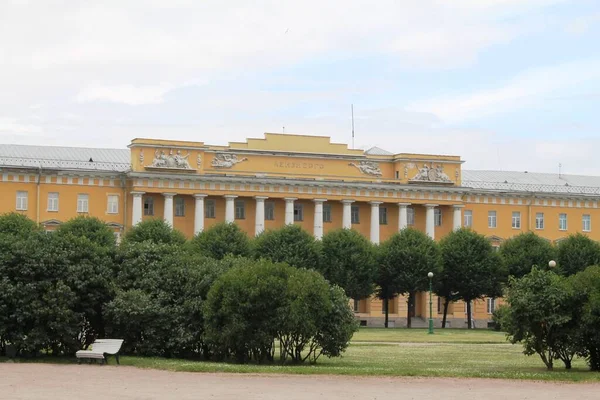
(220, 240)
(18, 225)
(471, 269)
(406, 258)
(586, 286)
(541, 315)
(349, 261)
(576, 253)
(525, 250)
(156, 231)
(290, 244)
(91, 228)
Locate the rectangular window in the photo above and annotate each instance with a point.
(148, 205)
(539, 221)
(491, 219)
(410, 216)
(356, 306)
(298, 212)
(516, 220)
(113, 204)
(440, 305)
(468, 219)
(397, 174)
(562, 222)
(437, 217)
(269, 211)
(210, 209)
(240, 209)
(326, 212)
(354, 215)
(179, 206)
(53, 201)
(22, 201)
(383, 215)
(82, 203)
(587, 223)
(491, 305)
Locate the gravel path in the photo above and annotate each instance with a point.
(47, 381)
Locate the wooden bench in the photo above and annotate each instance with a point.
(101, 348)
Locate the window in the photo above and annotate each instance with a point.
(468, 219)
(397, 174)
(496, 247)
(437, 217)
(22, 201)
(148, 205)
(210, 209)
(356, 305)
(587, 223)
(491, 305)
(383, 215)
(113, 204)
(354, 215)
(326, 213)
(53, 201)
(562, 222)
(516, 220)
(539, 221)
(269, 211)
(298, 212)
(179, 207)
(240, 209)
(82, 203)
(410, 215)
(117, 237)
(491, 219)
(439, 305)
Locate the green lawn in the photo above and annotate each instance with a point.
(450, 353)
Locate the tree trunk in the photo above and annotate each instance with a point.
(386, 305)
(411, 299)
(446, 305)
(469, 315)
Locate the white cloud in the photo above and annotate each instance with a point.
(13, 126)
(126, 94)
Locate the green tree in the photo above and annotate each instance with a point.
(406, 258)
(349, 262)
(290, 244)
(576, 253)
(221, 240)
(525, 250)
(17, 225)
(156, 231)
(91, 228)
(586, 286)
(471, 269)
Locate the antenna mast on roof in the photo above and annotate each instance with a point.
(352, 111)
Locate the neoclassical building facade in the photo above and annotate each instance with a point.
(295, 179)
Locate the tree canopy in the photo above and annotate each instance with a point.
(525, 250)
(290, 244)
(576, 253)
(221, 240)
(156, 231)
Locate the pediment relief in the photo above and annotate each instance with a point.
(226, 160)
(494, 238)
(170, 160)
(428, 173)
(368, 168)
(51, 222)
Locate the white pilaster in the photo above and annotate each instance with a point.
(137, 209)
(259, 220)
(289, 210)
(375, 221)
(457, 217)
(230, 207)
(318, 222)
(402, 215)
(347, 214)
(199, 213)
(430, 220)
(169, 208)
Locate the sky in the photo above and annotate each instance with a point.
(506, 84)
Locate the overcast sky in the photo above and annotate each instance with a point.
(506, 84)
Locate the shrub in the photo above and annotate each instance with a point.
(156, 231)
(221, 240)
(290, 244)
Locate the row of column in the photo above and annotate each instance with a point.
(289, 214)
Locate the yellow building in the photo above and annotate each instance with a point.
(294, 179)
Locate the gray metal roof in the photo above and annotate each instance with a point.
(377, 151)
(53, 157)
(531, 182)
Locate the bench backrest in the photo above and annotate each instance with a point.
(109, 346)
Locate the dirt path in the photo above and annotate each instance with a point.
(46, 381)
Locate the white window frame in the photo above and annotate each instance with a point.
(492, 219)
(149, 202)
(586, 219)
(22, 200)
(53, 201)
(269, 211)
(539, 221)
(383, 216)
(560, 222)
(410, 216)
(179, 206)
(240, 209)
(326, 212)
(83, 203)
(210, 209)
(491, 305)
(468, 218)
(355, 215)
(516, 219)
(112, 204)
(437, 217)
(298, 212)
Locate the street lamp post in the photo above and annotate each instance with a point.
(430, 276)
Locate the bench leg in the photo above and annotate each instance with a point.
(117, 357)
(79, 361)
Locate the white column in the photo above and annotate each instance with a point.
(375, 221)
(169, 208)
(199, 213)
(403, 215)
(289, 210)
(138, 208)
(259, 219)
(347, 214)
(318, 222)
(430, 220)
(230, 207)
(457, 217)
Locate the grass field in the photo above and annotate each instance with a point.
(402, 352)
